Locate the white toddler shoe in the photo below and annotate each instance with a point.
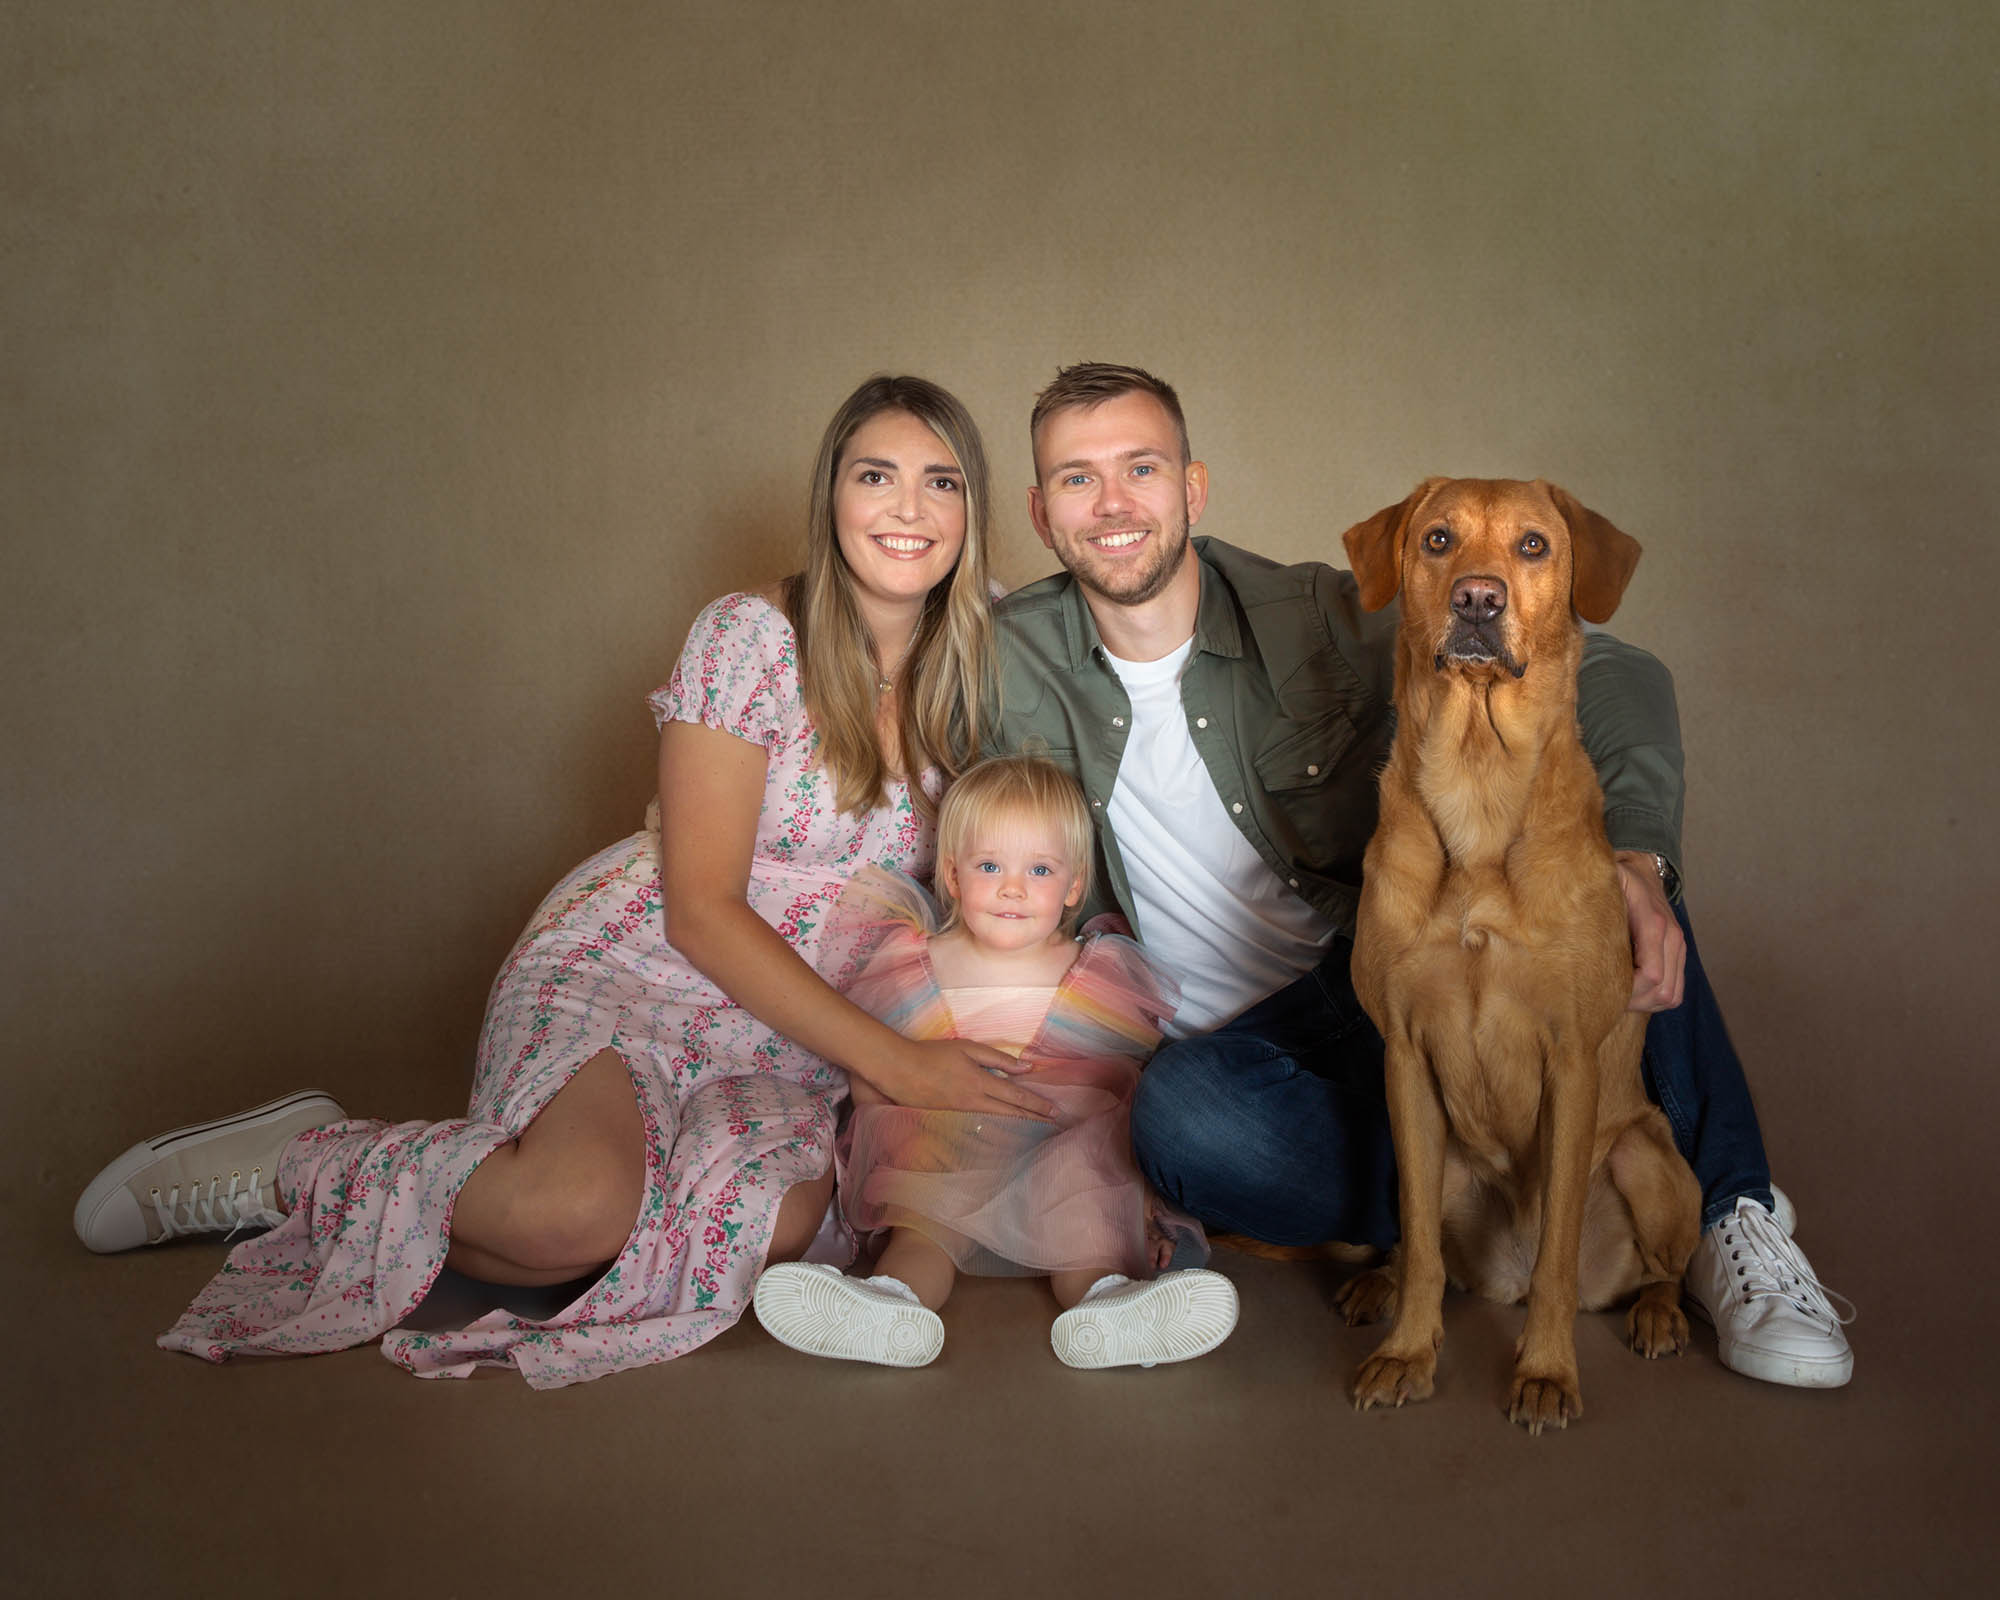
(816, 1308)
(1119, 1323)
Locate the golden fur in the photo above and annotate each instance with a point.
(1492, 952)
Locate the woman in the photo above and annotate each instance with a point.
(653, 1102)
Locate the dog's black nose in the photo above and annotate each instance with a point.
(1478, 599)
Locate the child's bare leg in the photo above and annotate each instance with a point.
(1070, 1287)
(911, 1258)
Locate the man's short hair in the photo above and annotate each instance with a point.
(1089, 384)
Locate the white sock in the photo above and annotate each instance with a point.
(1108, 1284)
(894, 1286)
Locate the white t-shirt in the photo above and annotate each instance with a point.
(1208, 907)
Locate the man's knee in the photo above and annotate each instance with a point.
(1166, 1109)
(1240, 1135)
(1194, 1120)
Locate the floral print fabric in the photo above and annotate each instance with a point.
(734, 1114)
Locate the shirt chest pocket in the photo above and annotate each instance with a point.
(1300, 758)
(1304, 805)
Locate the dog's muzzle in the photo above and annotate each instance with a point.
(1478, 608)
(1468, 644)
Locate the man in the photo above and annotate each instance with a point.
(1227, 717)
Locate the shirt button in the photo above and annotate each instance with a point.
(1201, 722)
(1117, 722)
(1312, 772)
(1293, 882)
(1097, 805)
(1238, 807)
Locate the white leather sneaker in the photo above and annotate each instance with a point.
(213, 1177)
(1773, 1319)
(814, 1307)
(1176, 1317)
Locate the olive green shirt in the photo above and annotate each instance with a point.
(1288, 694)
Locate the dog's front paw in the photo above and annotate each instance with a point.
(1656, 1327)
(1392, 1380)
(1544, 1400)
(1367, 1297)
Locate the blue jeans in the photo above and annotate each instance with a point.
(1275, 1125)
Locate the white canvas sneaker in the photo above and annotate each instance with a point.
(213, 1177)
(1176, 1317)
(816, 1308)
(1773, 1319)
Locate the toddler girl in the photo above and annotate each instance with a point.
(1004, 1195)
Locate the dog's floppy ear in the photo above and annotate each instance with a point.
(1602, 559)
(1375, 548)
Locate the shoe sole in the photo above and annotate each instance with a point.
(145, 1153)
(822, 1314)
(1175, 1318)
(1769, 1366)
(1792, 1371)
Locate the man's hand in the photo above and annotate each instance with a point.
(957, 1075)
(1659, 950)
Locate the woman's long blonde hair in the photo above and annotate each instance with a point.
(943, 677)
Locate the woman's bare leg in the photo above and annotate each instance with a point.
(911, 1258)
(560, 1201)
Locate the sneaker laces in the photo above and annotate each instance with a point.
(1765, 1262)
(213, 1210)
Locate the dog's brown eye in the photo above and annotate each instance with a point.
(1534, 545)
(1438, 540)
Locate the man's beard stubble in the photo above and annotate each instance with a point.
(1174, 549)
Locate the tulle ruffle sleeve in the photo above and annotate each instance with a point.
(1114, 1002)
(878, 936)
(738, 674)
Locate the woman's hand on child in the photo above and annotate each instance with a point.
(957, 1075)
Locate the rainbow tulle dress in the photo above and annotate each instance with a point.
(1009, 1195)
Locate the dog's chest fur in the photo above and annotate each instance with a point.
(1497, 926)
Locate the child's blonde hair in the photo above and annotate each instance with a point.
(1021, 786)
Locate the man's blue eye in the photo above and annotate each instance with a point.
(1074, 479)
(1142, 468)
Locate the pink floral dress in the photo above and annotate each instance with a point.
(734, 1114)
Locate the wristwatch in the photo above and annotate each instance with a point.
(1670, 880)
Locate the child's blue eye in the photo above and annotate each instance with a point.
(1041, 871)
(987, 866)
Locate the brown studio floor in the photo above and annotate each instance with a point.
(747, 1470)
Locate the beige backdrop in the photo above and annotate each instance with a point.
(386, 385)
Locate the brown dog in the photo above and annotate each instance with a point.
(1492, 952)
